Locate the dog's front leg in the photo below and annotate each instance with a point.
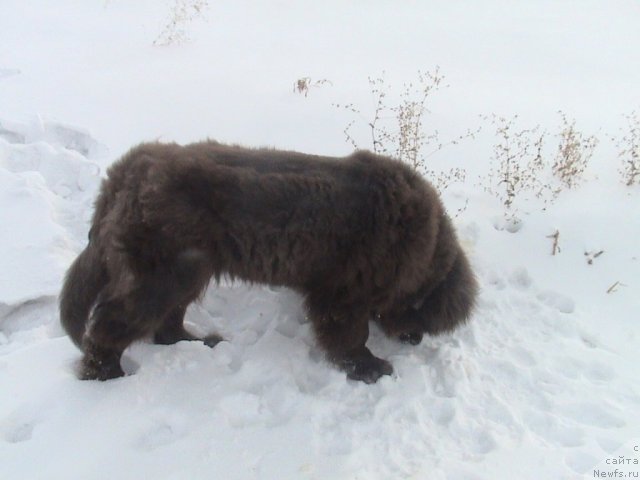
(343, 336)
(363, 365)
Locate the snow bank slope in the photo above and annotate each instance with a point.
(542, 383)
(46, 184)
(530, 388)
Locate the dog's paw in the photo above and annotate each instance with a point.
(367, 369)
(92, 369)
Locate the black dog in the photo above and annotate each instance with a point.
(362, 237)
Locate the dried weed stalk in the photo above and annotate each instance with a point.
(398, 130)
(629, 145)
(555, 248)
(445, 178)
(591, 256)
(614, 287)
(573, 154)
(182, 13)
(518, 164)
(304, 84)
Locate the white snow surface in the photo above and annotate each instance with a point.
(542, 383)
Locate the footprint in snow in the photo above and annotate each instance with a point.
(511, 225)
(160, 435)
(18, 432)
(481, 442)
(560, 302)
(53, 133)
(608, 444)
(442, 411)
(599, 372)
(593, 415)
(580, 462)
(19, 426)
(555, 431)
(495, 280)
(520, 278)
(11, 136)
(73, 138)
(523, 357)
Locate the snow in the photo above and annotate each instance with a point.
(542, 383)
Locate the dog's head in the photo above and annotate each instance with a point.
(435, 309)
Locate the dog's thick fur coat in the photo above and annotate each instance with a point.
(362, 237)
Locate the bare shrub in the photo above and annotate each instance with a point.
(573, 154)
(442, 179)
(398, 129)
(629, 153)
(304, 84)
(518, 164)
(182, 13)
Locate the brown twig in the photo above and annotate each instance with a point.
(613, 288)
(555, 237)
(592, 256)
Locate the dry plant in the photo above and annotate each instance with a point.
(304, 84)
(555, 248)
(573, 154)
(614, 287)
(520, 171)
(444, 178)
(182, 13)
(398, 130)
(591, 256)
(629, 152)
(518, 164)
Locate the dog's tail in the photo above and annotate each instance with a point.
(83, 282)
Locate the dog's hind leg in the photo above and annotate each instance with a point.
(172, 330)
(114, 324)
(191, 274)
(147, 306)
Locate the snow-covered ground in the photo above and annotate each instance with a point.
(541, 384)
